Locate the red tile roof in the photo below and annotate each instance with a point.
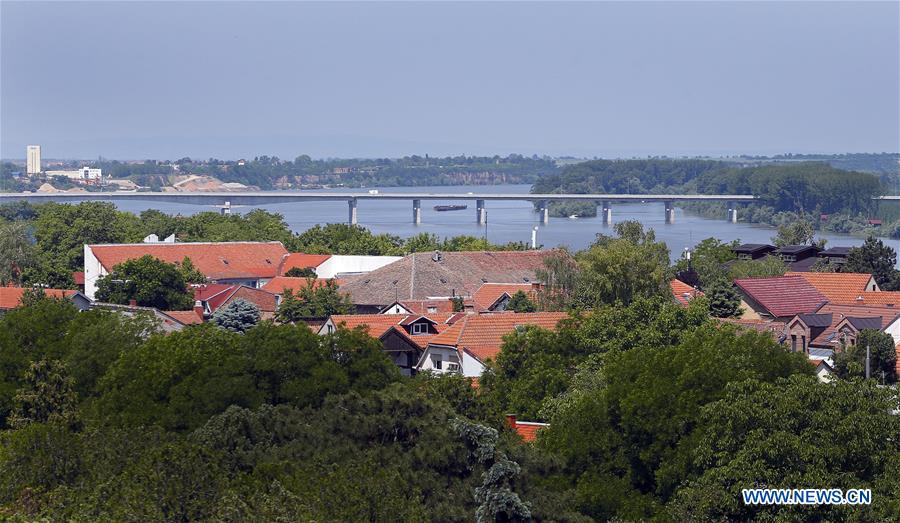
(216, 260)
(278, 284)
(482, 334)
(782, 296)
(488, 294)
(827, 338)
(838, 287)
(528, 430)
(683, 292)
(299, 260)
(216, 295)
(872, 298)
(78, 276)
(11, 297)
(185, 317)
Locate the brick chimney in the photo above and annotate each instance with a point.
(511, 421)
(133, 303)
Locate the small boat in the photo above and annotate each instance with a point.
(573, 216)
(457, 207)
(373, 191)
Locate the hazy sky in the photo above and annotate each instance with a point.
(226, 79)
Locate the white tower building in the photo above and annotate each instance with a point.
(34, 159)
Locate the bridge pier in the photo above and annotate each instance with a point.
(480, 213)
(351, 205)
(732, 213)
(545, 212)
(417, 212)
(606, 213)
(226, 209)
(670, 212)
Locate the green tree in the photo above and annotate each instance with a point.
(301, 272)
(559, 281)
(238, 316)
(799, 232)
(313, 301)
(877, 259)
(520, 302)
(340, 238)
(47, 396)
(190, 273)
(17, 253)
(623, 269)
(724, 300)
(792, 432)
(147, 280)
(850, 360)
(765, 267)
(706, 263)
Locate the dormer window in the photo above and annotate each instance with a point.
(419, 328)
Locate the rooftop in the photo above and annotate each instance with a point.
(216, 260)
(301, 261)
(11, 297)
(838, 287)
(482, 334)
(489, 293)
(683, 292)
(783, 296)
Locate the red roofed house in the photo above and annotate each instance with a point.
(527, 430)
(495, 296)
(404, 336)
(778, 298)
(468, 343)
(682, 292)
(279, 284)
(243, 263)
(297, 260)
(11, 297)
(211, 297)
(840, 287)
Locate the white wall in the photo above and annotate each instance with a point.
(470, 367)
(339, 264)
(93, 271)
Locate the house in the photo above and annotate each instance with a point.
(833, 326)
(799, 258)
(440, 305)
(527, 430)
(682, 292)
(334, 265)
(211, 297)
(167, 321)
(840, 287)
(467, 344)
(835, 255)
(11, 297)
(752, 251)
(777, 298)
(824, 369)
(494, 297)
(404, 336)
(425, 276)
(251, 264)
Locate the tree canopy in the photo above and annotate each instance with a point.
(149, 281)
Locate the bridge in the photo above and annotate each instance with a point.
(225, 200)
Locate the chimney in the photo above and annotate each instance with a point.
(511, 421)
(198, 308)
(132, 303)
(436, 257)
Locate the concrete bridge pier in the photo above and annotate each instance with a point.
(606, 213)
(670, 212)
(732, 212)
(351, 205)
(545, 211)
(480, 213)
(417, 212)
(226, 209)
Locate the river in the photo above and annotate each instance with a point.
(506, 220)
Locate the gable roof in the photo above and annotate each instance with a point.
(424, 275)
(481, 335)
(279, 284)
(11, 297)
(215, 295)
(683, 292)
(301, 261)
(489, 293)
(376, 325)
(782, 296)
(184, 317)
(838, 287)
(216, 260)
(422, 306)
(878, 318)
(873, 298)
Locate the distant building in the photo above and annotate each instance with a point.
(33, 159)
(85, 174)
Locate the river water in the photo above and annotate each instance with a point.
(506, 220)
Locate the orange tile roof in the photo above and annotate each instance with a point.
(838, 287)
(378, 324)
(299, 260)
(278, 284)
(873, 298)
(839, 313)
(11, 297)
(185, 317)
(216, 260)
(482, 334)
(489, 293)
(528, 430)
(683, 292)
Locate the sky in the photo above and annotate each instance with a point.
(164, 80)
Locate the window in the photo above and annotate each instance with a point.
(436, 361)
(420, 328)
(432, 310)
(794, 342)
